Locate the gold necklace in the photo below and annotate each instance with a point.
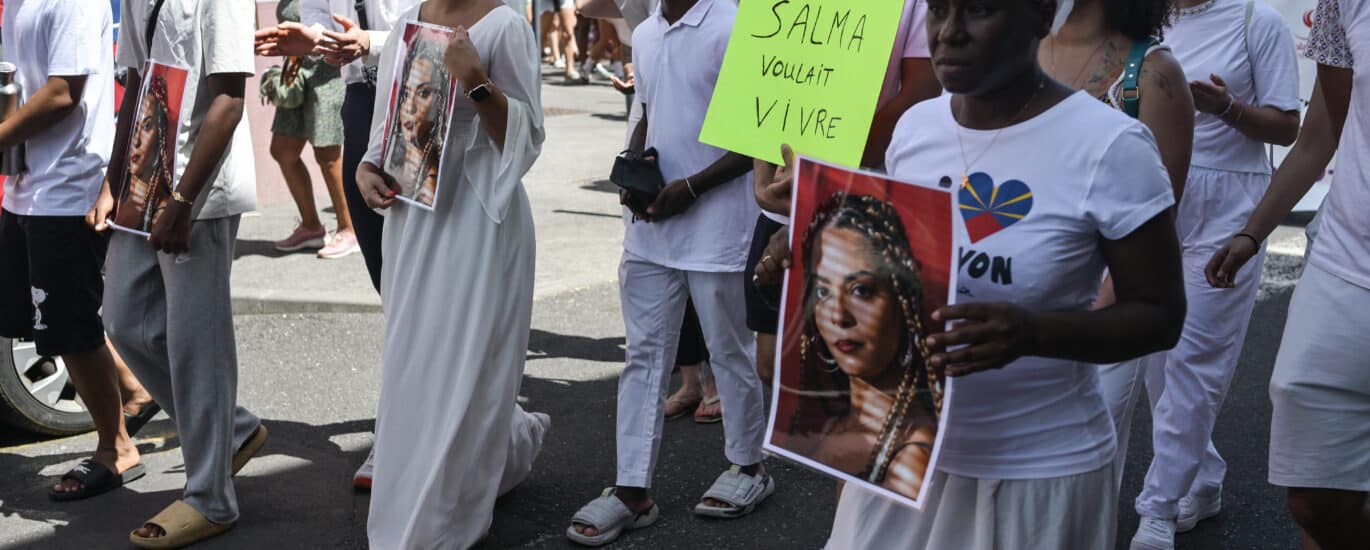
(965, 174)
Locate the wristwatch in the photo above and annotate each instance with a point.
(480, 93)
(178, 197)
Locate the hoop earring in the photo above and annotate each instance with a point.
(829, 361)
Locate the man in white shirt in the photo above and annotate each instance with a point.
(352, 40)
(1320, 389)
(167, 301)
(50, 262)
(690, 244)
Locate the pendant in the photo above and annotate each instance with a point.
(965, 180)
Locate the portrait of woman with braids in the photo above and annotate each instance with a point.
(150, 163)
(868, 401)
(418, 119)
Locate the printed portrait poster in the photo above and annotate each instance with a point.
(856, 399)
(147, 185)
(421, 99)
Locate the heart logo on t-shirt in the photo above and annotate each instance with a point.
(988, 209)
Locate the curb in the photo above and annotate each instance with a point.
(265, 304)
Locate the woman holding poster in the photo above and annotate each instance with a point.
(1054, 187)
(457, 284)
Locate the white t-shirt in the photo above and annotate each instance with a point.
(209, 37)
(676, 68)
(66, 163)
(1341, 33)
(1259, 64)
(1045, 192)
(910, 42)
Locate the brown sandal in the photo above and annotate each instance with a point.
(249, 449)
(676, 408)
(182, 525)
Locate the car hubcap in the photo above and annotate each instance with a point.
(46, 379)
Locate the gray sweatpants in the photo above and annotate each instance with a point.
(171, 318)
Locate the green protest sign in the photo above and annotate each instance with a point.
(803, 72)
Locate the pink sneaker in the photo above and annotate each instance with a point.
(341, 245)
(301, 239)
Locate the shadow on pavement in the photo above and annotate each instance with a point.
(297, 493)
(247, 247)
(549, 345)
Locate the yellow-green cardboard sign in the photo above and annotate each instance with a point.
(803, 72)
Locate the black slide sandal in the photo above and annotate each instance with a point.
(96, 480)
(133, 423)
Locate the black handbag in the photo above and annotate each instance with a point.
(640, 176)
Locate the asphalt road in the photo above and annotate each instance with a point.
(312, 377)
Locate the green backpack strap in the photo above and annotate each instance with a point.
(1132, 74)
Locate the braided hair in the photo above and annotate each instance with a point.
(431, 50)
(888, 243)
(156, 170)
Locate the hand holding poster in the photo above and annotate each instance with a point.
(422, 96)
(856, 398)
(151, 177)
(803, 72)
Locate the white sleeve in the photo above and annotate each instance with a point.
(131, 52)
(385, 87)
(1274, 61)
(377, 37)
(916, 41)
(492, 172)
(226, 30)
(1130, 185)
(80, 29)
(318, 14)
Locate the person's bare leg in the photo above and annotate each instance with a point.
(551, 23)
(134, 396)
(287, 150)
(706, 380)
(1335, 519)
(93, 373)
(600, 49)
(330, 165)
(765, 357)
(567, 18)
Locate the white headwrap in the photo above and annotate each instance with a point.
(1063, 8)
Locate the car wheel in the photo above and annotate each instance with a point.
(36, 393)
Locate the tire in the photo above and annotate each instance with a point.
(22, 373)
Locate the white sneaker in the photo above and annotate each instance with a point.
(1154, 534)
(601, 71)
(362, 479)
(1196, 509)
(560, 63)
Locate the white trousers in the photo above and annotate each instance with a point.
(1121, 386)
(1187, 384)
(653, 299)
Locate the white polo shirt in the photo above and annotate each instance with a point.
(676, 68)
(66, 162)
(208, 37)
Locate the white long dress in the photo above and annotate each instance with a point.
(457, 289)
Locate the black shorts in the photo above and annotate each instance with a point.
(50, 282)
(763, 301)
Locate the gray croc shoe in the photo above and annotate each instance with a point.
(608, 515)
(741, 492)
